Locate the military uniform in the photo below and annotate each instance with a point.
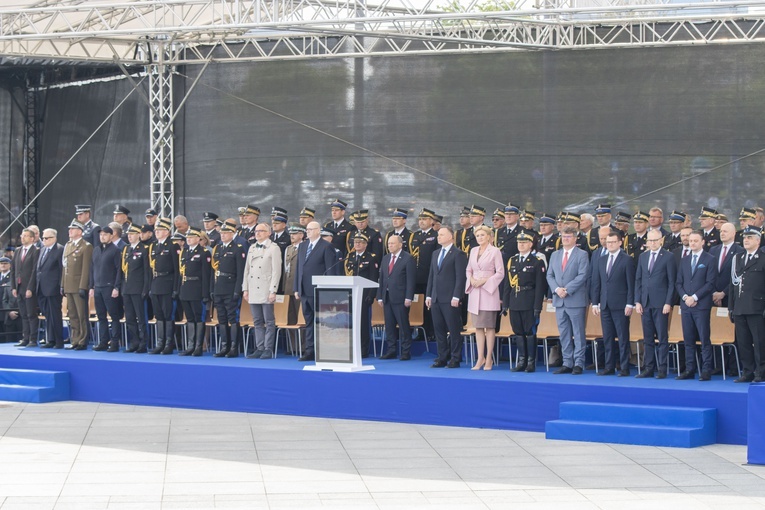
(711, 236)
(193, 289)
(163, 259)
(547, 246)
(10, 327)
(524, 293)
(636, 245)
(342, 231)
(459, 234)
(75, 283)
(226, 288)
(135, 289)
(375, 241)
(213, 235)
(366, 265)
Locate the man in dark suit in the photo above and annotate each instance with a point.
(316, 257)
(711, 234)
(613, 299)
(105, 284)
(49, 291)
(10, 322)
(445, 290)
(364, 263)
(654, 292)
(395, 293)
(746, 305)
(723, 255)
(24, 278)
(695, 283)
(136, 274)
(340, 226)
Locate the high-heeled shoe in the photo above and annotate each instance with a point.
(478, 365)
(488, 366)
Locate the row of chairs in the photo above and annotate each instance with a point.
(722, 334)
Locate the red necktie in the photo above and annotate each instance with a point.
(392, 261)
(24, 255)
(722, 259)
(565, 261)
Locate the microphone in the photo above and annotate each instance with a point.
(333, 266)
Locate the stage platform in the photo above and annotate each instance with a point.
(399, 391)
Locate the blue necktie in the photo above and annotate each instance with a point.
(693, 264)
(308, 251)
(441, 258)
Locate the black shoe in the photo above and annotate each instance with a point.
(100, 347)
(81, 347)
(607, 372)
(438, 364)
(405, 357)
(220, 354)
(757, 379)
(169, 349)
(661, 375)
(453, 364)
(141, 350)
(389, 355)
(308, 356)
(113, 348)
(563, 370)
(59, 346)
(576, 370)
(23, 343)
(705, 376)
(49, 345)
(591, 366)
(157, 349)
(686, 375)
(745, 378)
(645, 374)
(623, 373)
(531, 367)
(556, 364)
(132, 348)
(267, 355)
(232, 353)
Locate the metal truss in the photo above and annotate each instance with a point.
(32, 135)
(161, 136)
(245, 30)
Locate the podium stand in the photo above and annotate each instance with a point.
(337, 323)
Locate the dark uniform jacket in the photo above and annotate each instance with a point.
(214, 236)
(671, 242)
(406, 235)
(163, 259)
(90, 232)
(722, 282)
(282, 241)
(635, 245)
(423, 246)
(105, 268)
(7, 301)
(227, 269)
(367, 266)
(746, 294)
(194, 271)
(374, 245)
(548, 247)
(504, 239)
(136, 272)
(526, 284)
(711, 239)
(341, 234)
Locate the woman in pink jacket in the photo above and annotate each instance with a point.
(485, 272)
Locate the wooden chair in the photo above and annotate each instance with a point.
(593, 331)
(505, 331)
(547, 328)
(281, 318)
(417, 316)
(468, 340)
(723, 335)
(246, 323)
(378, 326)
(212, 324)
(675, 333)
(292, 327)
(636, 337)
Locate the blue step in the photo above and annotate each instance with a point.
(685, 427)
(35, 386)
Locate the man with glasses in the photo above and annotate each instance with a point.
(711, 234)
(655, 220)
(636, 243)
(24, 283)
(654, 292)
(260, 283)
(49, 269)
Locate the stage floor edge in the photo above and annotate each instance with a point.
(407, 392)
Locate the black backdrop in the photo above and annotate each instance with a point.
(547, 130)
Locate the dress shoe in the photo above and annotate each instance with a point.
(645, 374)
(453, 364)
(23, 343)
(705, 376)
(478, 365)
(531, 367)
(558, 363)
(577, 370)
(607, 372)
(31, 344)
(758, 379)
(686, 375)
(58, 346)
(49, 345)
(131, 348)
(438, 364)
(563, 370)
(591, 366)
(100, 347)
(113, 348)
(254, 355)
(232, 353)
(745, 378)
(141, 350)
(308, 356)
(81, 347)
(623, 373)
(266, 355)
(389, 355)
(405, 357)
(661, 375)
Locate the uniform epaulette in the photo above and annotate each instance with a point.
(373, 255)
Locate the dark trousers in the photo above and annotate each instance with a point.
(28, 314)
(750, 337)
(135, 318)
(308, 309)
(162, 305)
(106, 304)
(193, 310)
(655, 325)
(695, 329)
(50, 306)
(397, 314)
(616, 324)
(447, 319)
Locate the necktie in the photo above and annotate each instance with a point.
(392, 261)
(610, 265)
(685, 252)
(441, 258)
(693, 263)
(24, 254)
(257, 245)
(565, 261)
(748, 258)
(722, 258)
(650, 262)
(308, 251)
(44, 254)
